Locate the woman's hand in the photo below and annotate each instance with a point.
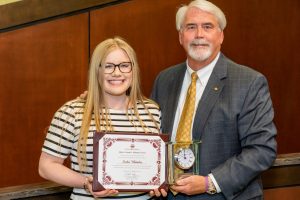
(103, 193)
(158, 193)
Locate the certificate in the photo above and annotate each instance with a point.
(129, 161)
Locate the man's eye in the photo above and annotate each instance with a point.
(191, 27)
(207, 27)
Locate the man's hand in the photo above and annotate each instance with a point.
(190, 185)
(83, 95)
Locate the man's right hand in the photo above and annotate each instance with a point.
(83, 95)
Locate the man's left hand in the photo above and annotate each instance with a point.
(190, 185)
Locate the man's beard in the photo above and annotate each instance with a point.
(199, 53)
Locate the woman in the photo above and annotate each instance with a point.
(114, 103)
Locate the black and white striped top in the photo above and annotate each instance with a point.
(64, 130)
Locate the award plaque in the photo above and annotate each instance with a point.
(183, 160)
(129, 161)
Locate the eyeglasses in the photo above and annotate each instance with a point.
(124, 67)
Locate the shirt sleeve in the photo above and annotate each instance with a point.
(211, 176)
(60, 136)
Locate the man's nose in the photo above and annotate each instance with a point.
(199, 32)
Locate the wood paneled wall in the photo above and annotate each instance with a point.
(285, 193)
(41, 67)
(44, 65)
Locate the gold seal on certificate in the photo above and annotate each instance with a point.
(183, 160)
(129, 161)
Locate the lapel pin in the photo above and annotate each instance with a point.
(216, 88)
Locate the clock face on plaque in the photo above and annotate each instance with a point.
(184, 158)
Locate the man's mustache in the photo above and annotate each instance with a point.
(200, 42)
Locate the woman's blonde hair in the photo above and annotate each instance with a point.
(95, 102)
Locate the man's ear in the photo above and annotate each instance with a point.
(180, 36)
(222, 37)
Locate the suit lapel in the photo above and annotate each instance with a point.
(174, 89)
(210, 96)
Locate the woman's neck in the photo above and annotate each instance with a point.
(116, 102)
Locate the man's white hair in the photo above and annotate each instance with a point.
(202, 5)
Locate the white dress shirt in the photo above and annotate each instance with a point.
(203, 77)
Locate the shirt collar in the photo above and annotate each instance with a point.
(205, 72)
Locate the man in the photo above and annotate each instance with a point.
(233, 115)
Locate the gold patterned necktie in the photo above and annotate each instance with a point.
(185, 123)
(183, 134)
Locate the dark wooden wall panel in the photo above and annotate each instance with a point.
(285, 193)
(41, 67)
(23, 12)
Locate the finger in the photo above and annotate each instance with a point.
(105, 193)
(83, 95)
(151, 193)
(156, 192)
(163, 192)
(178, 188)
(113, 192)
(173, 187)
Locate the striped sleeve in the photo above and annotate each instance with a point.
(60, 135)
